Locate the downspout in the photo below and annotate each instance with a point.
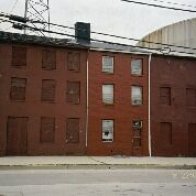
(87, 64)
(149, 106)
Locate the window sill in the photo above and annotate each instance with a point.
(108, 73)
(108, 104)
(19, 66)
(139, 105)
(16, 100)
(47, 101)
(48, 69)
(135, 75)
(137, 137)
(137, 147)
(107, 141)
(73, 71)
(71, 103)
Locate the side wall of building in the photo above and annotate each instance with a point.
(173, 106)
(34, 109)
(122, 112)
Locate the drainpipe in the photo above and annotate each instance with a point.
(149, 106)
(87, 64)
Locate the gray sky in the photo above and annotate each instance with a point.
(108, 16)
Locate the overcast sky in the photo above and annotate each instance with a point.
(108, 16)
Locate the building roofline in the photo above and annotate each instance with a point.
(8, 37)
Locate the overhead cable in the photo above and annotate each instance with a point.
(174, 3)
(108, 42)
(105, 34)
(159, 6)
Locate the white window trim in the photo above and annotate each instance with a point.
(137, 99)
(108, 98)
(110, 132)
(137, 73)
(107, 68)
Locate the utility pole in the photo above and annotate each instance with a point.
(38, 10)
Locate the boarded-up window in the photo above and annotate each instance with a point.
(73, 92)
(108, 64)
(191, 97)
(17, 135)
(166, 133)
(49, 59)
(165, 95)
(108, 93)
(136, 95)
(19, 56)
(18, 89)
(73, 61)
(48, 90)
(47, 133)
(136, 67)
(72, 130)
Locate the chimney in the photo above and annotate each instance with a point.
(82, 32)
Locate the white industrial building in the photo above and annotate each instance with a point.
(182, 34)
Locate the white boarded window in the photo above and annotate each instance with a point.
(108, 93)
(136, 67)
(136, 95)
(107, 130)
(107, 64)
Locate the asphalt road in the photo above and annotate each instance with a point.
(123, 182)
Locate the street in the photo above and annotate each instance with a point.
(121, 182)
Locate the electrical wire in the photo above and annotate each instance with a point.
(104, 41)
(128, 38)
(174, 3)
(119, 37)
(108, 42)
(159, 6)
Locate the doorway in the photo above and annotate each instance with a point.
(17, 136)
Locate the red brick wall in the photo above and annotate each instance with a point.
(121, 111)
(34, 108)
(178, 74)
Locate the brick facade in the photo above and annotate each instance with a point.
(121, 111)
(173, 106)
(33, 100)
(44, 109)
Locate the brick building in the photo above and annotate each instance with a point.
(118, 103)
(43, 96)
(173, 105)
(59, 97)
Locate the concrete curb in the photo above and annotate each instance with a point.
(96, 166)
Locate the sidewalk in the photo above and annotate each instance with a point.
(96, 162)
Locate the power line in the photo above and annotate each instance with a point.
(105, 34)
(109, 35)
(174, 3)
(108, 42)
(159, 6)
(128, 38)
(13, 7)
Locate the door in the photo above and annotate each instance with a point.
(192, 139)
(17, 136)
